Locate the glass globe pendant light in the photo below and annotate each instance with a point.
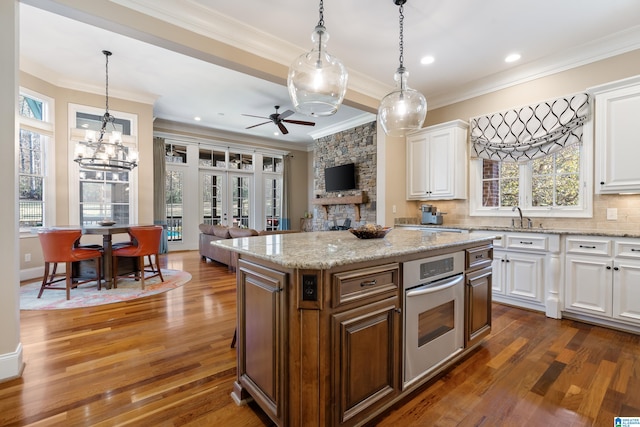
(317, 81)
(404, 109)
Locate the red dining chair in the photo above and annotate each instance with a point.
(61, 246)
(145, 243)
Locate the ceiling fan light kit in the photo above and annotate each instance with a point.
(404, 109)
(100, 154)
(317, 81)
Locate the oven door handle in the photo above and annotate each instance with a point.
(435, 286)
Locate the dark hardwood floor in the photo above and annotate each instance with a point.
(165, 361)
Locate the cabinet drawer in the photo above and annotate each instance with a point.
(588, 246)
(627, 249)
(365, 283)
(478, 257)
(527, 242)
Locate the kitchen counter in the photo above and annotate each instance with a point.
(328, 249)
(582, 232)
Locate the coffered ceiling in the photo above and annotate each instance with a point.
(468, 39)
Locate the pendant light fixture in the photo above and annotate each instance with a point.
(317, 81)
(404, 109)
(105, 154)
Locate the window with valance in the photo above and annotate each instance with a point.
(530, 132)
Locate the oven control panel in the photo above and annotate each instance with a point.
(432, 268)
(435, 268)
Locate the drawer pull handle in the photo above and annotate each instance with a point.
(368, 283)
(587, 247)
(635, 250)
(526, 243)
(481, 256)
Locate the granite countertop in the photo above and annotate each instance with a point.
(603, 233)
(327, 249)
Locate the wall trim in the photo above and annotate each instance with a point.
(11, 364)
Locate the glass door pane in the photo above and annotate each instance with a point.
(174, 191)
(240, 199)
(212, 189)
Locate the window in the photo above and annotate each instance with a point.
(174, 192)
(557, 185)
(35, 169)
(272, 168)
(94, 195)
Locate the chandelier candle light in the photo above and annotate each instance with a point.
(317, 81)
(99, 154)
(404, 109)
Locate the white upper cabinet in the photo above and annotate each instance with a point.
(437, 162)
(617, 144)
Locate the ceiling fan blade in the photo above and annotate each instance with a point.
(259, 124)
(283, 129)
(259, 117)
(300, 122)
(285, 114)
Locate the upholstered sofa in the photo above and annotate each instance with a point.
(209, 233)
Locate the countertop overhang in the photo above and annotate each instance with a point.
(328, 249)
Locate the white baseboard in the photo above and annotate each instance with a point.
(35, 273)
(11, 364)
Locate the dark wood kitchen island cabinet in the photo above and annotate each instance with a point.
(320, 322)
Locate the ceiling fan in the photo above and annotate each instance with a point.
(279, 119)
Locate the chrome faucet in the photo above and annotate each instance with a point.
(520, 213)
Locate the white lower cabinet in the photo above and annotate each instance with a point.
(526, 271)
(602, 278)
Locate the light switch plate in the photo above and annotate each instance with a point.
(612, 214)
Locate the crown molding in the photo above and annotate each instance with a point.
(344, 125)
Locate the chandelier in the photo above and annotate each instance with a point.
(404, 109)
(317, 81)
(101, 151)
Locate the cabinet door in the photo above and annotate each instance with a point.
(616, 137)
(441, 164)
(261, 359)
(478, 300)
(498, 266)
(588, 285)
(524, 276)
(626, 290)
(417, 167)
(366, 344)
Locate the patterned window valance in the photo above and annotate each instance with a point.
(530, 132)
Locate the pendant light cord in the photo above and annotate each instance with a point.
(321, 10)
(401, 36)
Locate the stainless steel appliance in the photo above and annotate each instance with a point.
(430, 215)
(433, 313)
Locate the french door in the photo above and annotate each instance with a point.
(225, 198)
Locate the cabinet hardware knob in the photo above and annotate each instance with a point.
(501, 260)
(608, 267)
(368, 283)
(508, 261)
(601, 182)
(616, 268)
(587, 247)
(398, 310)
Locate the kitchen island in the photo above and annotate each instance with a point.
(321, 336)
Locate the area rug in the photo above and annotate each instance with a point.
(88, 295)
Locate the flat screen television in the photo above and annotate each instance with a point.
(340, 178)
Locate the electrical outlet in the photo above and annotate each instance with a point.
(393, 208)
(27, 257)
(612, 214)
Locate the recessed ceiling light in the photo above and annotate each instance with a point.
(512, 57)
(426, 60)
(276, 133)
(197, 119)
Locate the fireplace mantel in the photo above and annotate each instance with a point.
(355, 200)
